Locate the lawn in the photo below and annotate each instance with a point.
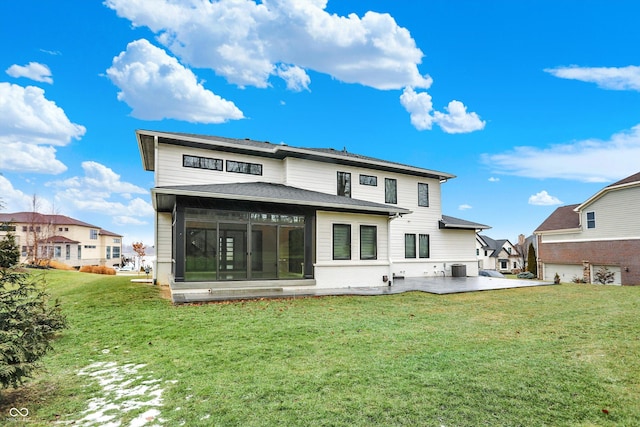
(553, 355)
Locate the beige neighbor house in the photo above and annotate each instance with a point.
(258, 217)
(63, 239)
(576, 241)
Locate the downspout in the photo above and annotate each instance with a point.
(389, 260)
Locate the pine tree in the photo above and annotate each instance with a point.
(532, 263)
(9, 253)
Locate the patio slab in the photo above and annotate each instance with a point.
(433, 285)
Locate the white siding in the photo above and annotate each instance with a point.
(171, 172)
(616, 215)
(566, 272)
(162, 269)
(331, 273)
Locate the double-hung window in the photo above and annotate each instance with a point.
(390, 190)
(591, 220)
(341, 241)
(423, 194)
(344, 184)
(409, 245)
(423, 246)
(368, 242)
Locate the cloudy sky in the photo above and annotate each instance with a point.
(532, 104)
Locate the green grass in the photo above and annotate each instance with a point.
(553, 355)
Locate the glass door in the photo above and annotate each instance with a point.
(291, 252)
(200, 252)
(264, 251)
(232, 251)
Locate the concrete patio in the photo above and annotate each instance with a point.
(433, 285)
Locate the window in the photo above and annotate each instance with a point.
(368, 242)
(79, 252)
(93, 234)
(591, 220)
(7, 227)
(369, 180)
(24, 251)
(344, 184)
(391, 191)
(57, 252)
(423, 194)
(67, 251)
(201, 162)
(108, 252)
(244, 167)
(59, 228)
(89, 246)
(409, 245)
(116, 252)
(423, 245)
(66, 229)
(24, 228)
(341, 241)
(503, 265)
(116, 240)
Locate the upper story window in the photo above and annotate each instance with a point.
(93, 234)
(244, 167)
(369, 180)
(201, 162)
(423, 194)
(390, 190)
(344, 184)
(116, 240)
(591, 220)
(7, 227)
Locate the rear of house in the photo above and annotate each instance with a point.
(580, 241)
(250, 215)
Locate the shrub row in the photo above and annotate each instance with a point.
(97, 269)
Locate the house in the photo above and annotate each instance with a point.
(63, 239)
(244, 214)
(577, 241)
(500, 255)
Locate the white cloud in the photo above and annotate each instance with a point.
(12, 199)
(33, 70)
(544, 199)
(295, 77)
(127, 220)
(494, 179)
(245, 41)
(464, 207)
(457, 120)
(615, 78)
(156, 86)
(30, 128)
(590, 160)
(96, 192)
(419, 107)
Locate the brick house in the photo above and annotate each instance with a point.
(576, 241)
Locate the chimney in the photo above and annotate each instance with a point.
(521, 239)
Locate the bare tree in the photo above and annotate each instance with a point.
(39, 233)
(139, 249)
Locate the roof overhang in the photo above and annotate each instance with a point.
(147, 141)
(451, 223)
(164, 198)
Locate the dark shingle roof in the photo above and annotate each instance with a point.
(457, 223)
(563, 218)
(274, 193)
(627, 180)
(278, 151)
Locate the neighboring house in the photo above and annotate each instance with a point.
(499, 255)
(63, 239)
(604, 231)
(242, 213)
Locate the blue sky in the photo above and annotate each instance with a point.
(531, 104)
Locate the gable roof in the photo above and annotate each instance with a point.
(630, 181)
(450, 222)
(495, 245)
(39, 218)
(164, 197)
(563, 218)
(147, 138)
